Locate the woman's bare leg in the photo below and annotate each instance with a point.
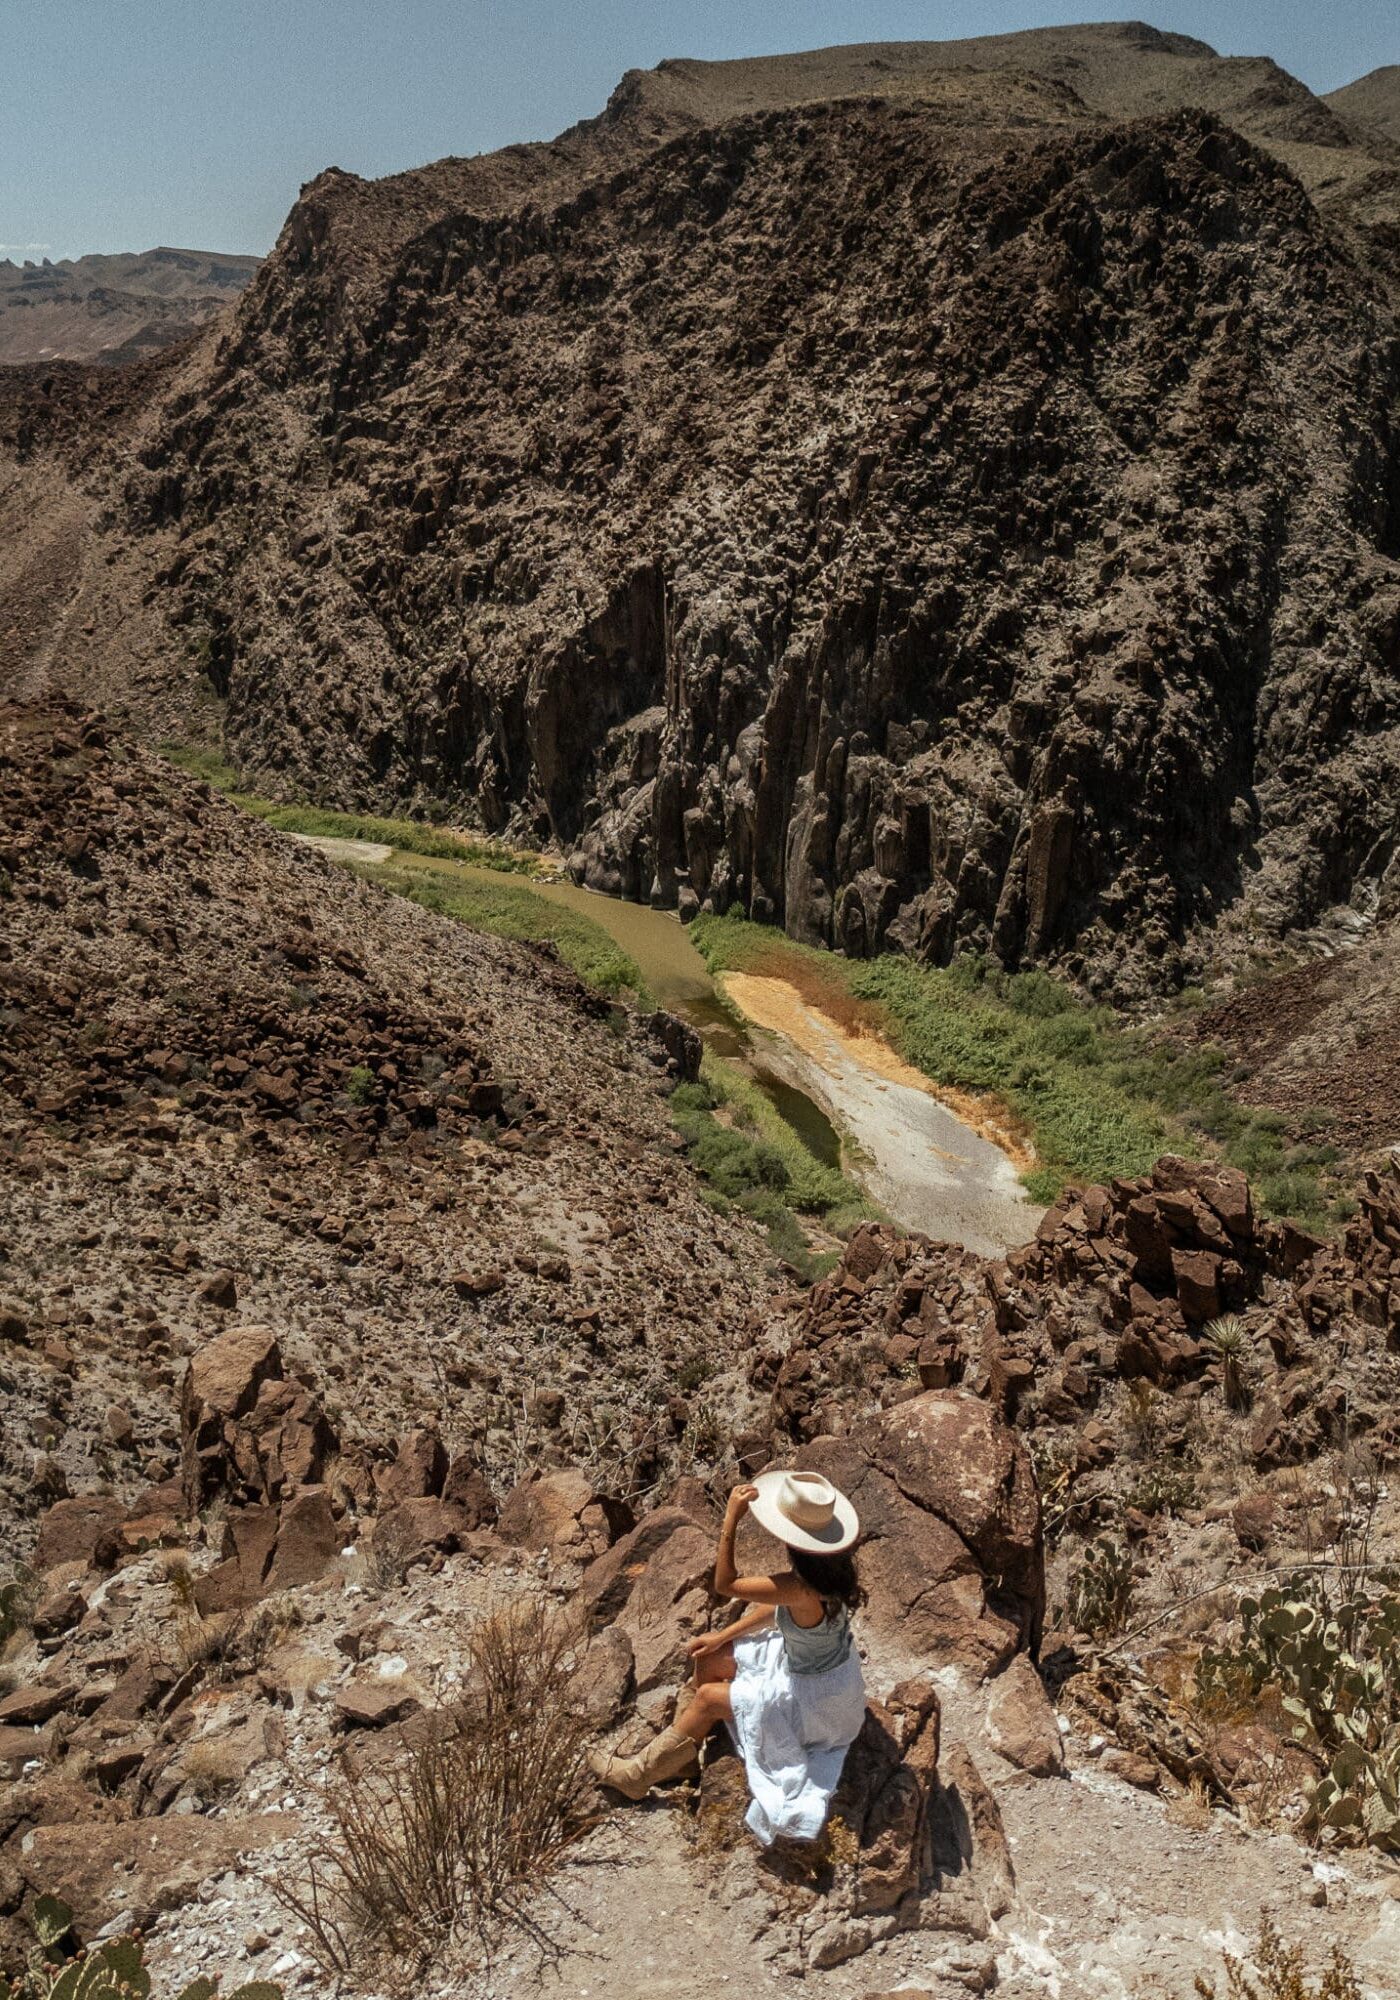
(717, 1666)
(710, 1704)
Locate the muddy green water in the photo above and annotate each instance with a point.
(679, 980)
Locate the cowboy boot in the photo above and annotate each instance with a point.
(669, 1755)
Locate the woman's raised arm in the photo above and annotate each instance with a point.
(726, 1576)
(770, 1590)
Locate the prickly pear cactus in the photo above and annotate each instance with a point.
(112, 1970)
(1337, 1670)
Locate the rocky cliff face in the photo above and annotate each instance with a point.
(938, 520)
(816, 517)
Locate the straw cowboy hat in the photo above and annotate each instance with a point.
(805, 1511)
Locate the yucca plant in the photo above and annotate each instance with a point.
(1227, 1341)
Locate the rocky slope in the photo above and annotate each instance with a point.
(942, 516)
(1372, 102)
(205, 1660)
(234, 1082)
(1120, 1286)
(1342, 147)
(355, 1298)
(1325, 1035)
(113, 309)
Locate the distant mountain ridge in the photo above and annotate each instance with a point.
(1373, 100)
(113, 307)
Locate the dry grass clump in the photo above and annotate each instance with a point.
(1279, 1972)
(211, 1770)
(452, 1841)
(387, 1555)
(230, 1644)
(176, 1574)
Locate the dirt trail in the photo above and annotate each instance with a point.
(1118, 1897)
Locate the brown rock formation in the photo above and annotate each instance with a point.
(916, 1848)
(951, 1549)
(1113, 1290)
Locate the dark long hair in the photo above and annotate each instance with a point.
(832, 1577)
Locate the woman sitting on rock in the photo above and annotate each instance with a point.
(785, 1676)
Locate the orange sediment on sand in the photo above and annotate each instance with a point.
(780, 1006)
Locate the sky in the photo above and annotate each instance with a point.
(128, 123)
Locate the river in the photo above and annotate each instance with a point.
(851, 1098)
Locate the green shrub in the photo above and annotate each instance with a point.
(1101, 1589)
(511, 910)
(1336, 1670)
(408, 835)
(812, 1187)
(1163, 1489)
(760, 1165)
(359, 1084)
(209, 765)
(1229, 1344)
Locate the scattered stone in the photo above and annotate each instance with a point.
(1132, 1769)
(374, 1704)
(59, 1611)
(220, 1289)
(1021, 1724)
(26, 1707)
(73, 1530)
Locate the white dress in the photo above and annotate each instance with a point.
(793, 1732)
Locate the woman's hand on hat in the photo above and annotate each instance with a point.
(739, 1501)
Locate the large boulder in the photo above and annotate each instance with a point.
(669, 1603)
(247, 1430)
(267, 1549)
(610, 1578)
(1021, 1722)
(952, 1554)
(465, 1487)
(652, 1590)
(563, 1513)
(906, 1847)
(418, 1471)
(75, 1530)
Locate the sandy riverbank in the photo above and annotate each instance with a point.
(935, 1165)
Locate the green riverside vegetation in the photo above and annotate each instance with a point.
(754, 1160)
(1098, 1098)
(742, 1147)
(409, 836)
(511, 910)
